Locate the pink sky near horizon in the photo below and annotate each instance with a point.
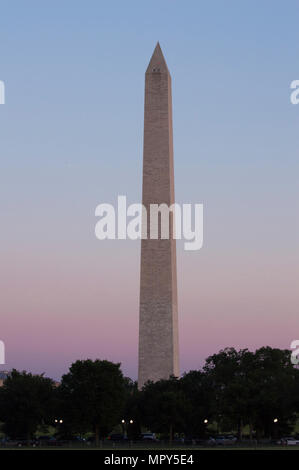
(67, 307)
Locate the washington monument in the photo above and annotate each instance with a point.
(158, 315)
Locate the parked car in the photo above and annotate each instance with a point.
(179, 440)
(20, 442)
(211, 441)
(148, 436)
(288, 441)
(73, 439)
(225, 440)
(199, 441)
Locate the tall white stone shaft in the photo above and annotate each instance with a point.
(158, 315)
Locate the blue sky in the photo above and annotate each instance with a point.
(71, 138)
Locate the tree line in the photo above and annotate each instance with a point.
(234, 389)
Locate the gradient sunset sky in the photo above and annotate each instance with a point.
(71, 136)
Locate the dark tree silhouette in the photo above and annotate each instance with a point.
(92, 396)
(26, 401)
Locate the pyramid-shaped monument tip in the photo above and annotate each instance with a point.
(157, 63)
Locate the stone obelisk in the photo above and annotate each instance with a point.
(158, 316)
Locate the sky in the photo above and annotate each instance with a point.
(71, 136)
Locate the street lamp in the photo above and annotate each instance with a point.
(125, 423)
(275, 427)
(205, 421)
(59, 420)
